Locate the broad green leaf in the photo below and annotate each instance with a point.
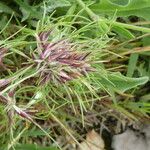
(120, 83)
(4, 8)
(120, 2)
(132, 64)
(140, 8)
(28, 10)
(51, 5)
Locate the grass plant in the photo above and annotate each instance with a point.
(58, 70)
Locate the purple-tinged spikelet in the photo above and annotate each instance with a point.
(59, 60)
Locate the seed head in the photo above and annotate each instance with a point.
(59, 60)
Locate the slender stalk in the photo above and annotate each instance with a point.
(129, 26)
(92, 15)
(19, 81)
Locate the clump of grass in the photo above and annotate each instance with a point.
(53, 65)
(54, 76)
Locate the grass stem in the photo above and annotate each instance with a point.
(95, 17)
